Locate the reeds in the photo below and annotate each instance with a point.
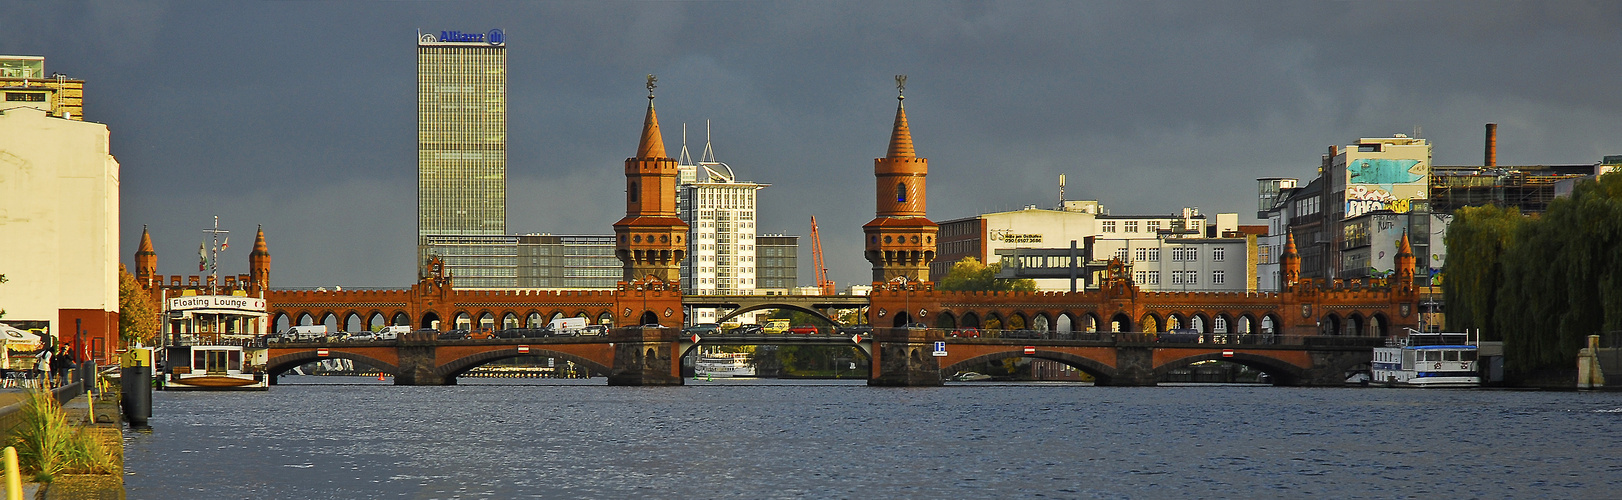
(48, 445)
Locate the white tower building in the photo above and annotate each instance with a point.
(720, 210)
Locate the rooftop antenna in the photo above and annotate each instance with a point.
(684, 159)
(709, 154)
(1061, 191)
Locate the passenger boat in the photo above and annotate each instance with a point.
(1426, 360)
(215, 343)
(724, 364)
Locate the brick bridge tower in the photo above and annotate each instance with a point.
(650, 239)
(259, 265)
(146, 260)
(901, 238)
(1291, 264)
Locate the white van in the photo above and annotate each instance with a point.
(567, 327)
(391, 333)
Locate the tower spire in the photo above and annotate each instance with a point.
(653, 144)
(901, 135)
(146, 259)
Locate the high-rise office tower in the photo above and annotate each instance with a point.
(461, 135)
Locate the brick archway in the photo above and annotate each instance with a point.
(1101, 372)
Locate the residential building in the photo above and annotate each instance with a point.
(60, 182)
(777, 264)
(722, 247)
(461, 136)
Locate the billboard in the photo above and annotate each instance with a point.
(1384, 184)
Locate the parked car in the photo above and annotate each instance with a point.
(510, 333)
(703, 329)
(535, 333)
(453, 335)
(361, 337)
(748, 330)
(915, 326)
(856, 330)
(595, 330)
(1022, 334)
(803, 329)
(966, 333)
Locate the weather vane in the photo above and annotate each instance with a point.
(651, 81)
(901, 86)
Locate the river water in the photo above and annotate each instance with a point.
(350, 437)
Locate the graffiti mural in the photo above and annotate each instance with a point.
(1380, 171)
(1364, 199)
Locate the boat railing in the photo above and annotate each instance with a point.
(215, 339)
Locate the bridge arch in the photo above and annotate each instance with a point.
(281, 364)
(1121, 323)
(429, 319)
(457, 367)
(1282, 372)
(768, 305)
(970, 320)
(1102, 373)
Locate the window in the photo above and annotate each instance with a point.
(1176, 277)
(630, 193)
(1140, 255)
(1218, 278)
(1109, 226)
(1192, 277)
(25, 96)
(1191, 255)
(1154, 255)
(1154, 277)
(1131, 226)
(1218, 253)
(900, 192)
(1139, 276)
(1120, 254)
(1154, 226)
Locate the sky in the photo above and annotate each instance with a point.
(300, 116)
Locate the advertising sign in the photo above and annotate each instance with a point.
(217, 302)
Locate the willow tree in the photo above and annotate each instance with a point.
(1473, 274)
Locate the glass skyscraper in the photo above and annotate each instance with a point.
(461, 135)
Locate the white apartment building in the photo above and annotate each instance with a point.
(720, 212)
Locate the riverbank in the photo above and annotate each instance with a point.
(100, 416)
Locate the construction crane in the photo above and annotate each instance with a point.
(821, 268)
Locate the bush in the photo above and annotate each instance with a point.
(47, 445)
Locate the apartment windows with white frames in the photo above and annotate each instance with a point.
(1154, 277)
(1219, 277)
(1109, 226)
(1154, 255)
(1217, 254)
(1140, 255)
(1131, 226)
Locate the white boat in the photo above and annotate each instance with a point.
(215, 343)
(724, 364)
(1426, 360)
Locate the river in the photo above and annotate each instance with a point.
(351, 437)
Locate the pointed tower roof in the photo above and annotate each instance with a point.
(1289, 243)
(259, 243)
(900, 136)
(146, 243)
(1403, 248)
(653, 144)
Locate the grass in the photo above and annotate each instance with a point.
(47, 445)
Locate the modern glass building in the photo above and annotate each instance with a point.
(544, 261)
(461, 135)
(777, 264)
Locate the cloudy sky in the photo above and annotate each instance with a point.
(299, 116)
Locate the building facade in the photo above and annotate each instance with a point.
(539, 261)
(720, 210)
(60, 183)
(777, 265)
(461, 136)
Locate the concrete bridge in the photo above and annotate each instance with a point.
(816, 305)
(900, 357)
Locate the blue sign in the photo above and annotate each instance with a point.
(940, 346)
(493, 37)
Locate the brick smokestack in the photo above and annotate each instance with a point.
(1491, 158)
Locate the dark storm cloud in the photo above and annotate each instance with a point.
(300, 116)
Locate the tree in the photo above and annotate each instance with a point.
(969, 274)
(137, 315)
(1477, 238)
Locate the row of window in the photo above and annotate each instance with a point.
(1131, 226)
(1179, 277)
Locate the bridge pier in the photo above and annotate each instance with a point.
(645, 357)
(1329, 367)
(905, 358)
(417, 358)
(1134, 367)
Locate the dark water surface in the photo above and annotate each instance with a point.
(332, 437)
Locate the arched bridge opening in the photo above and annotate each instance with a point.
(1281, 372)
(761, 307)
(1102, 374)
(462, 365)
(278, 365)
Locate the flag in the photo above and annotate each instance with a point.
(202, 257)
(226, 243)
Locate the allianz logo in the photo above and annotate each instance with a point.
(493, 37)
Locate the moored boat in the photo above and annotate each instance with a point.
(215, 343)
(1426, 360)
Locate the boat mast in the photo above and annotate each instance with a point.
(214, 257)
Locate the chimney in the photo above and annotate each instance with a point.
(1491, 159)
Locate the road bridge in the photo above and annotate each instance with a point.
(816, 305)
(899, 357)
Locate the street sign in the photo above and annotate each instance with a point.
(696, 338)
(857, 338)
(940, 348)
(523, 349)
(1030, 349)
(322, 352)
(1227, 353)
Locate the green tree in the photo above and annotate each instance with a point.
(1477, 239)
(137, 315)
(969, 274)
